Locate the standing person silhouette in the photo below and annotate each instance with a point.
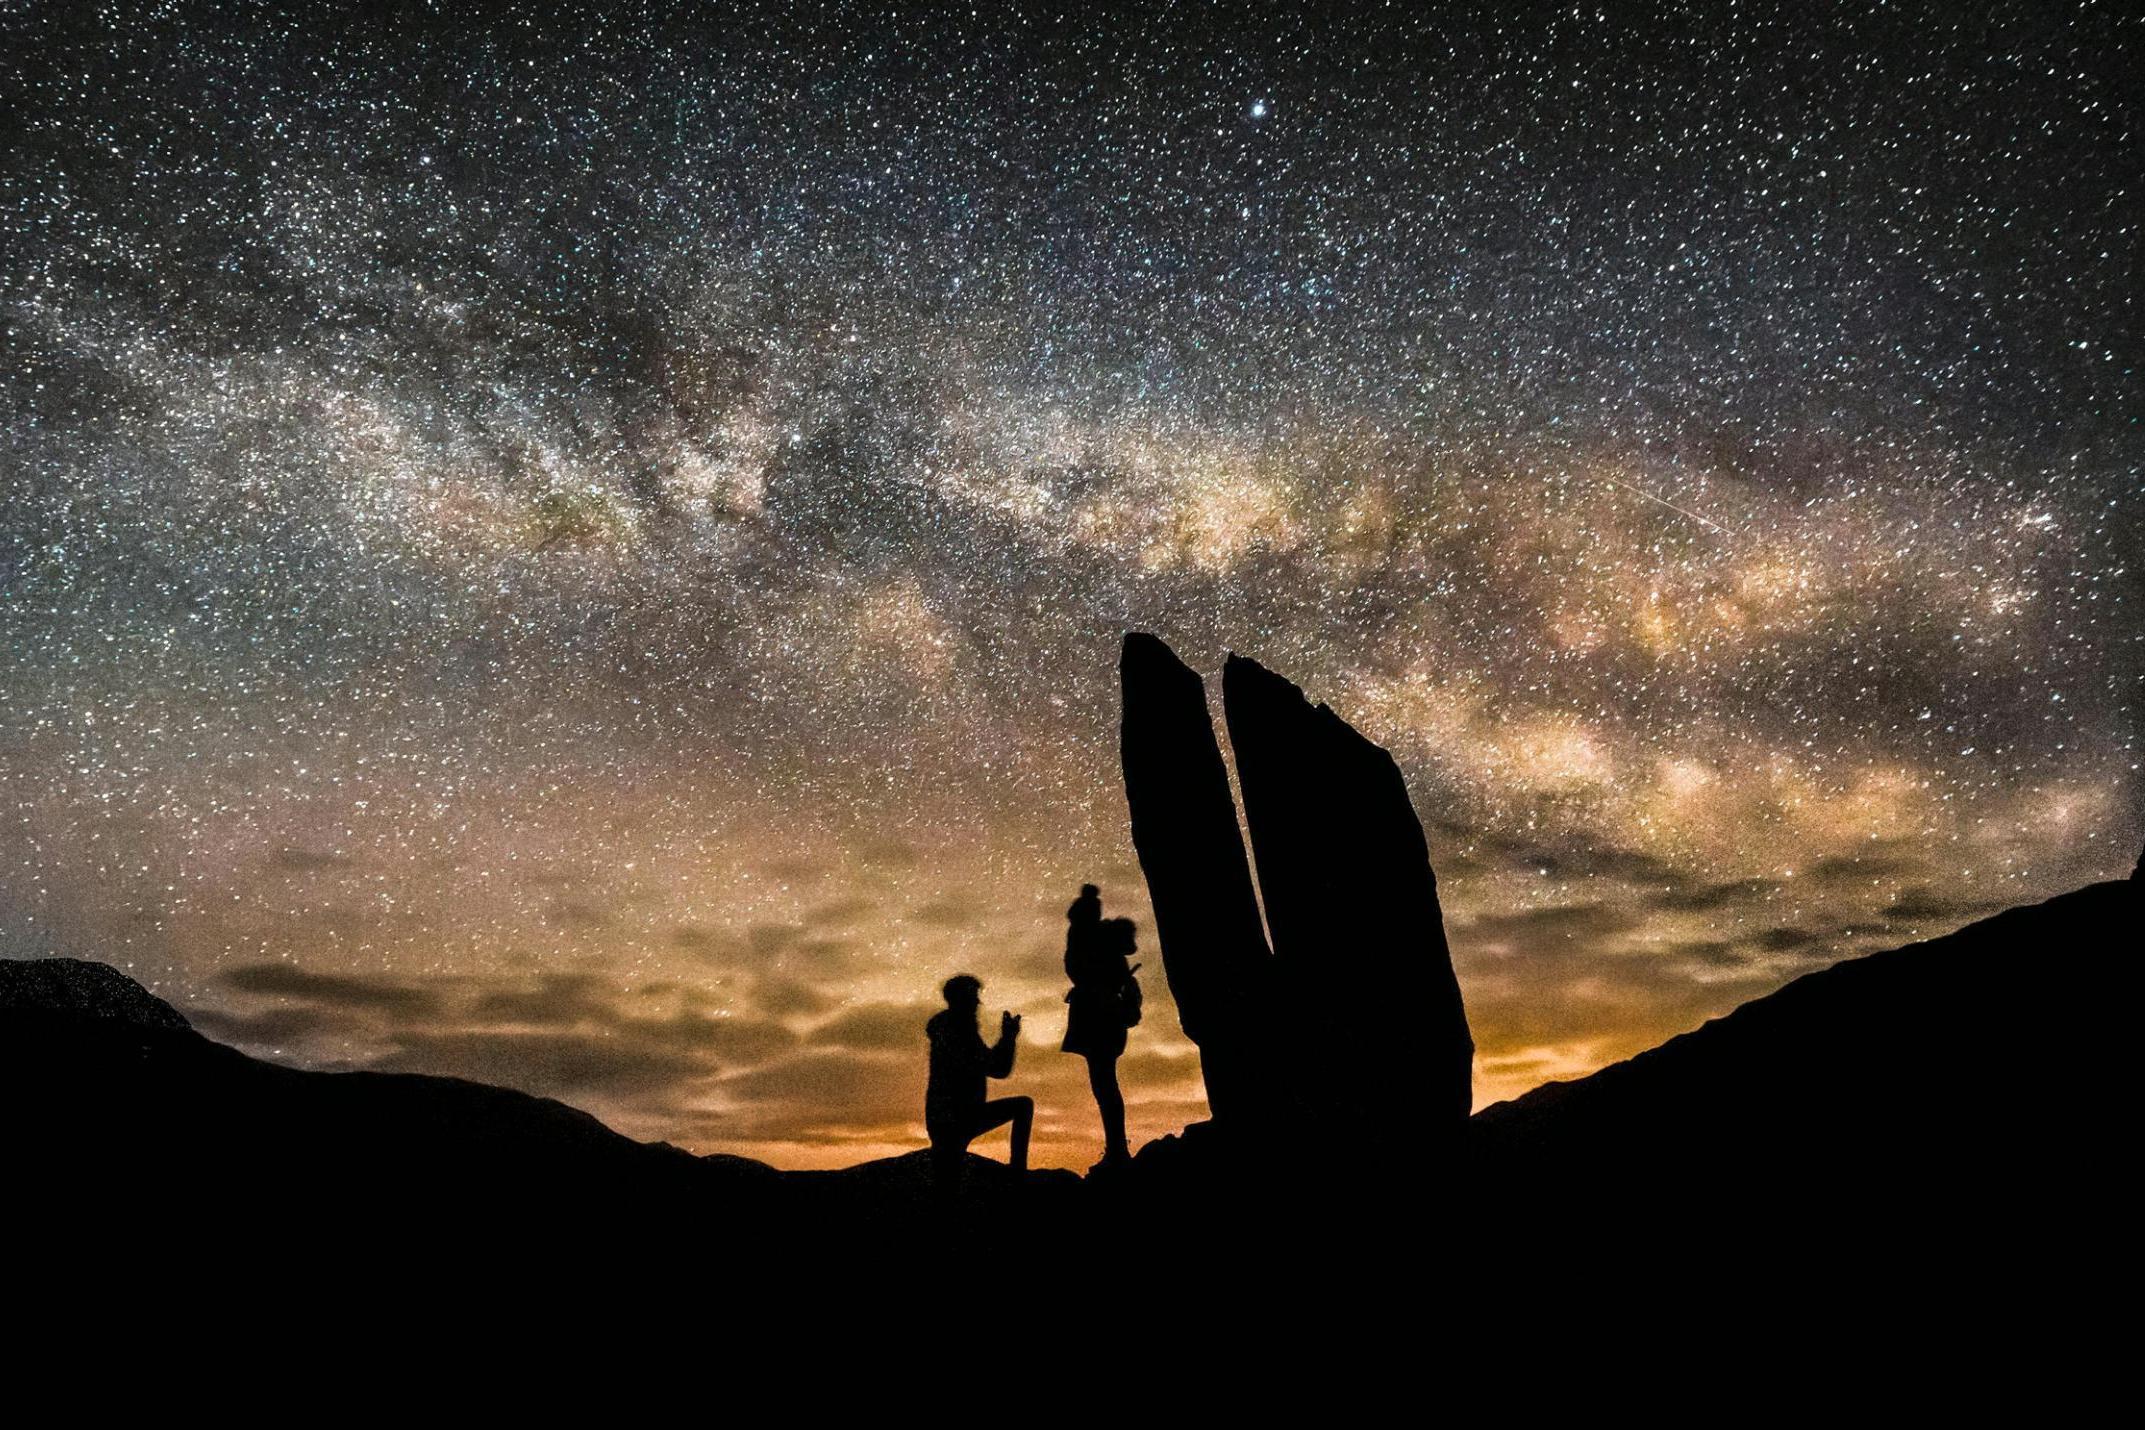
(1103, 1002)
(957, 1105)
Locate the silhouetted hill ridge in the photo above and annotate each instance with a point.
(1974, 1068)
(79, 988)
(127, 1090)
(1973, 1065)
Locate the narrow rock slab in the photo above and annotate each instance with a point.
(1214, 951)
(1372, 1006)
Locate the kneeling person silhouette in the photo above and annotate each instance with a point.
(957, 1108)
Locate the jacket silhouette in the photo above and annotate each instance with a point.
(957, 1105)
(1103, 1002)
(961, 1066)
(1100, 1000)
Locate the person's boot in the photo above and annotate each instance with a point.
(1114, 1160)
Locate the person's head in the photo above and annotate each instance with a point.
(1086, 909)
(1120, 936)
(963, 991)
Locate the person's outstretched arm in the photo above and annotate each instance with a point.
(1001, 1063)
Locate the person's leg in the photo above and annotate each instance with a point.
(1020, 1111)
(1102, 1077)
(949, 1154)
(1023, 1124)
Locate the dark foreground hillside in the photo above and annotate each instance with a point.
(1983, 1074)
(1975, 1085)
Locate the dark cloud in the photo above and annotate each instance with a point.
(1571, 858)
(560, 1034)
(1153, 1069)
(355, 991)
(1714, 953)
(1787, 938)
(949, 912)
(1528, 1063)
(578, 914)
(706, 942)
(824, 1090)
(893, 854)
(553, 1064)
(1617, 1002)
(553, 999)
(875, 1027)
(810, 950)
(591, 1004)
(1866, 867)
(1925, 905)
(823, 959)
(738, 1042)
(1707, 897)
(788, 997)
(270, 1027)
(838, 913)
(767, 940)
(1540, 927)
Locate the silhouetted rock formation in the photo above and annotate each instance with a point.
(1349, 896)
(1351, 903)
(1206, 916)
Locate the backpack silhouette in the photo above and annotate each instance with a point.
(1130, 999)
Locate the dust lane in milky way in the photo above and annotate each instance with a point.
(590, 554)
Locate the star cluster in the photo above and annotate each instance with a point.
(588, 552)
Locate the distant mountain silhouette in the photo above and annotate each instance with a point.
(116, 1102)
(74, 988)
(127, 1094)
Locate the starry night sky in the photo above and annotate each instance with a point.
(589, 553)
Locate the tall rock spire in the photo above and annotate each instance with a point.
(1206, 915)
(1374, 1012)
